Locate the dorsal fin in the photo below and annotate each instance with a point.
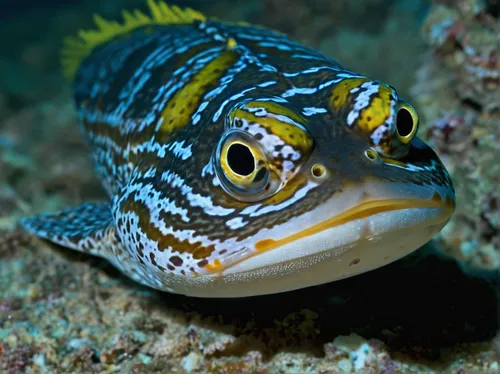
(77, 48)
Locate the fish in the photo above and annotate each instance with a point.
(238, 161)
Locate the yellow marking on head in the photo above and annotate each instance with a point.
(288, 190)
(231, 43)
(76, 49)
(342, 91)
(392, 161)
(182, 105)
(377, 113)
(291, 134)
(362, 210)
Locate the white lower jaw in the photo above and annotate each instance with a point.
(342, 234)
(339, 252)
(344, 250)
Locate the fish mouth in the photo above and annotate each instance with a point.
(425, 212)
(368, 207)
(364, 228)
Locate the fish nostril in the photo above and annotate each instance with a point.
(371, 154)
(318, 171)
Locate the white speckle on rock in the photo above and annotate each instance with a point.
(345, 365)
(360, 351)
(145, 359)
(360, 357)
(192, 362)
(77, 343)
(39, 360)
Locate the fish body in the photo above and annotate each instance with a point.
(239, 162)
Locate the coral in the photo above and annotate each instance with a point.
(458, 93)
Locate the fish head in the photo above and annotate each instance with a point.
(286, 194)
(325, 196)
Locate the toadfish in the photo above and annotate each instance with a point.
(239, 162)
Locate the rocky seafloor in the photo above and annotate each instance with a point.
(434, 311)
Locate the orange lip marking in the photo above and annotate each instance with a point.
(362, 210)
(216, 266)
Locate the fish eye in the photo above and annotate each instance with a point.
(406, 123)
(240, 159)
(241, 163)
(242, 167)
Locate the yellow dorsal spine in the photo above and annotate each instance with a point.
(76, 49)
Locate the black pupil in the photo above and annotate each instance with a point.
(404, 122)
(240, 159)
